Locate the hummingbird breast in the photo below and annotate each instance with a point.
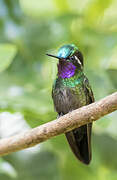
(68, 98)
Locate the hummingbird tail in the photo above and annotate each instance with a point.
(80, 142)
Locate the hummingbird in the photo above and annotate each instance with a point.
(71, 90)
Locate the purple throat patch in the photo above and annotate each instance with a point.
(66, 69)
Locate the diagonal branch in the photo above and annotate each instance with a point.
(65, 123)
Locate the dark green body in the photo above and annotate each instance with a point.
(69, 94)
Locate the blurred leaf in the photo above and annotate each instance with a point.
(62, 5)
(95, 10)
(38, 8)
(112, 64)
(7, 53)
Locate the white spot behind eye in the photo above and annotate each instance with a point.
(78, 60)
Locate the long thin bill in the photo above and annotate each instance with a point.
(53, 56)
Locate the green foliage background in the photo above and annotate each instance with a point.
(28, 30)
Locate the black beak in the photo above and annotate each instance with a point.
(53, 56)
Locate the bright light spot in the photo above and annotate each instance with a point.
(11, 124)
(12, 30)
(8, 169)
(15, 91)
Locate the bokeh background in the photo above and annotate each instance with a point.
(28, 30)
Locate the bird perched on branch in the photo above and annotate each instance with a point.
(71, 90)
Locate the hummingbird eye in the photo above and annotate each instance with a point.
(72, 58)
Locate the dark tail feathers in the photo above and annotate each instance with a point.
(80, 142)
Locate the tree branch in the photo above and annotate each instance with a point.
(65, 123)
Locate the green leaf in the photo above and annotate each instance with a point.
(7, 53)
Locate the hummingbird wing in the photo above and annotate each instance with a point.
(79, 139)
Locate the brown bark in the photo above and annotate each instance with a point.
(65, 123)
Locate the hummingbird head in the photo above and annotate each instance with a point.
(70, 60)
(69, 53)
